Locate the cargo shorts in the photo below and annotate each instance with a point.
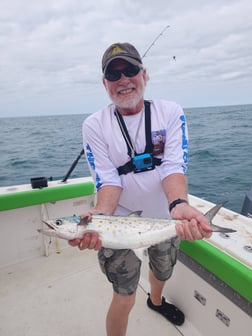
(122, 267)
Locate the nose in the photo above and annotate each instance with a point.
(124, 78)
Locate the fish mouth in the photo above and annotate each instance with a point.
(50, 226)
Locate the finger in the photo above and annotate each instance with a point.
(180, 231)
(194, 229)
(98, 245)
(84, 243)
(203, 223)
(93, 241)
(206, 234)
(189, 231)
(74, 242)
(90, 241)
(204, 227)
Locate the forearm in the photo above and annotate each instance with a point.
(107, 199)
(175, 187)
(196, 225)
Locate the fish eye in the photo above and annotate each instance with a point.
(58, 222)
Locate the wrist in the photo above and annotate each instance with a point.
(176, 202)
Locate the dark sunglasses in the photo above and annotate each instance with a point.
(114, 75)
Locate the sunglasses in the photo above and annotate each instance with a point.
(114, 75)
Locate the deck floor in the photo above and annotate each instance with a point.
(66, 294)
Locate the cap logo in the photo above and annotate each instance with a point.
(116, 50)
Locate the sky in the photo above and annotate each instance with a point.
(51, 50)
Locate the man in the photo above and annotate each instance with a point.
(138, 163)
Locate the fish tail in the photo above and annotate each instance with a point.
(210, 214)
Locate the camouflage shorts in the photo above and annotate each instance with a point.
(122, 267)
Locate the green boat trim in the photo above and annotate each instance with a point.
(61, 192)
(229, 270)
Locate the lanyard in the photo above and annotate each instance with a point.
(125, 133)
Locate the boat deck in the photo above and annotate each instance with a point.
(66, 294)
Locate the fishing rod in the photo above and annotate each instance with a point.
(155, 40)
(73, 166)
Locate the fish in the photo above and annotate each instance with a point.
(122, 232)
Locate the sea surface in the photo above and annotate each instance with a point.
(220, 151)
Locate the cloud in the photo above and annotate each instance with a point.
(53, 49)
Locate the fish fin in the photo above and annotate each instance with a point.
(140, 253)
(136, 213)
(83, 221)
(216, 228)
(213, 211)
(210, 214)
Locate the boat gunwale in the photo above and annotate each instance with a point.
(64, 191)
(235, 274)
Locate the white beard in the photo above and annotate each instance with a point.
(128, 102)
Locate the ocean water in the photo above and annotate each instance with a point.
(220, 151)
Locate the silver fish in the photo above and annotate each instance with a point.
(122, 232)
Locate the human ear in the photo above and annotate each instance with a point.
(104, 82)
(145, 75)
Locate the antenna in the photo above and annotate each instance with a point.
(154, 41)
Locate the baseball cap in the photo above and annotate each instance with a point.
(125, 51)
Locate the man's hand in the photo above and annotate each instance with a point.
(90, 240)
(194, 225)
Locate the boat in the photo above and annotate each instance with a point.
(50, 288)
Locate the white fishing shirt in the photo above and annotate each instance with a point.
(106, 150)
